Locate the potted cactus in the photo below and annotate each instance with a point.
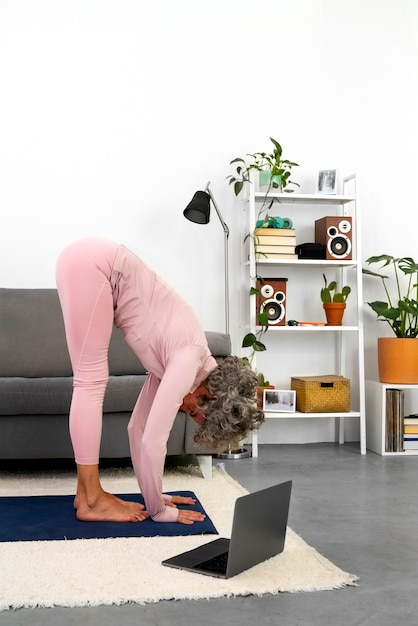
(334, 301)
(262, 384)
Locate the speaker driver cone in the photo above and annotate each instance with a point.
(339, 246)
(274, 310)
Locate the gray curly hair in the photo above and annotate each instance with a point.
(232, 412)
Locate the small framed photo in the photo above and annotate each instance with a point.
(327, 182)
(279, 400)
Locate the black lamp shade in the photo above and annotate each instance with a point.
(198, 209)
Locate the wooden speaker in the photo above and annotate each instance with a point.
(335, 233)
(271, 299)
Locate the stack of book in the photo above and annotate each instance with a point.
(275, 243)
(410, 429)
(394, 420)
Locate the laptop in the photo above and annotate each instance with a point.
(258, 533)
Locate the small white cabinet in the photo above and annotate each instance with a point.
(304, 210)
(376, 414)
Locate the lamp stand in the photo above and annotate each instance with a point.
(226, 261)
(238, 453)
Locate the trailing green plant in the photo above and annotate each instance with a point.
(330, 292)
(280, 169)
(253, 340)
(280, 172)
(401, 310)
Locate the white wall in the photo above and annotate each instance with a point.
(113, 112)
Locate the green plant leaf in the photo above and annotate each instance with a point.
(237, 160)
(277, 146)
(263, 319)
(382, 258)
(407, 265)
(290, 163)
(370, 273)
(249, 340)
(409, 307)
(382, 310)
(239, 184)
(325, 294)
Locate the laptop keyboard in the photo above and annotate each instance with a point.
(216, 564)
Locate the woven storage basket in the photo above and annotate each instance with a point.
(321, 394)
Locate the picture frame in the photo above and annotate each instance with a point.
(279, 400)
(327, 182)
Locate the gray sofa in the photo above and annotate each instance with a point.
(36, 384)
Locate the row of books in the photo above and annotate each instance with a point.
(275, 243)
(394, 420)
(410, 429)
(401, 430)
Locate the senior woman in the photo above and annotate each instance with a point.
(101, 283)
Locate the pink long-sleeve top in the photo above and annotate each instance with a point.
(167, 337)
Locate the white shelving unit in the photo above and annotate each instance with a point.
(339, 205)
(376, 415)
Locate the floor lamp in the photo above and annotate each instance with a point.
(198, 211)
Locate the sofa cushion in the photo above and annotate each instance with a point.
(52, 396)
(32, 337)
(47, 437)
(219, 343)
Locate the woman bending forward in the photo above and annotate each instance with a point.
(101, 283)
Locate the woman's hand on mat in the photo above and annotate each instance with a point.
(190, 517)
(179, 500)
(185, 516)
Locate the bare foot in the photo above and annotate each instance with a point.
(134, 507)
(108, 508)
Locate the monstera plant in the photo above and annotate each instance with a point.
(399, 310)
(397, 356)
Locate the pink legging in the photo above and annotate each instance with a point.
(83, 277)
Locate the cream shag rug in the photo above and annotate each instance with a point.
(93, 572)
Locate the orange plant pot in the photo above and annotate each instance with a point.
(397, 360)
(260, 395)
(334, 312)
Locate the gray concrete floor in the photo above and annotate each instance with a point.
(361, 512)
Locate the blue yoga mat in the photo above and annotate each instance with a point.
(52, 518)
